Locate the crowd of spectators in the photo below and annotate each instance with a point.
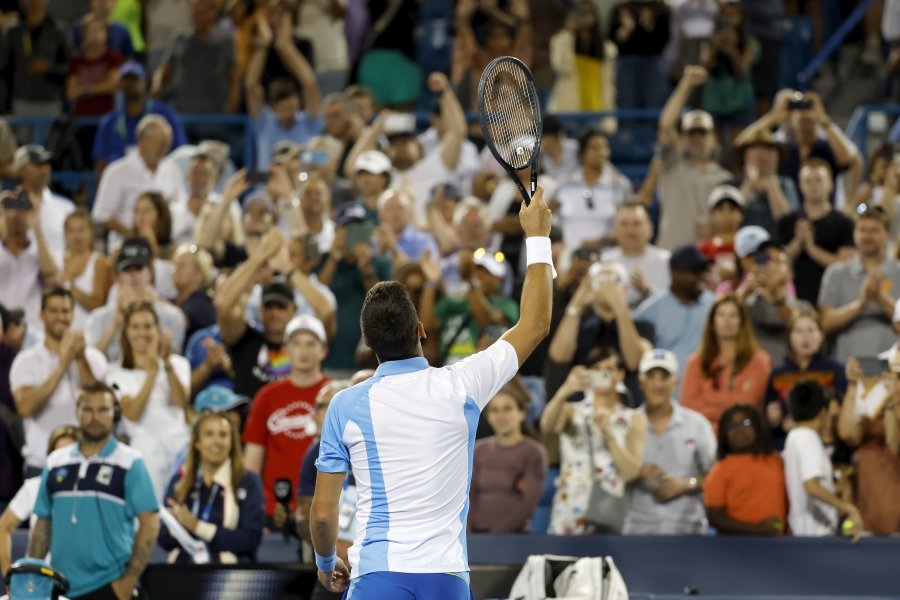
(757, 312)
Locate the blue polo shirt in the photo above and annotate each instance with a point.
(269, 132)
(115, 134)
(415, 242)
(91, 504)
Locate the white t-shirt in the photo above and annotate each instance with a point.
(22, 504)
(805, 458)
(20, 282)
(419, 180)
(587, 212)
(54, 210)
(32, 367)
(653, 264)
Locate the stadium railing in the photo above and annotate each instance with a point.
(858, 125)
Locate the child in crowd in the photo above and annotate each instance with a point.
(807, 469)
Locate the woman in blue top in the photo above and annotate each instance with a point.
(214, 498)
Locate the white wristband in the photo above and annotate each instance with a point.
(538, 251)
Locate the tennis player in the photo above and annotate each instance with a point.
(408, 435)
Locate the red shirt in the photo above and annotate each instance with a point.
(281, 422)
(90, 71)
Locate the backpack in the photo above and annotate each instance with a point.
(569, 578)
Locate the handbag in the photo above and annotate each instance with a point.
(604, 510)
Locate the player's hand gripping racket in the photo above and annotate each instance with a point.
(510, 118)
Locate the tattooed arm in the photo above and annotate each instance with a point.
(39, 545)
(144, 540)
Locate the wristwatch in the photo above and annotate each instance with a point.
(693, 484)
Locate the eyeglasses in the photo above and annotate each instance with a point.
(498, 256)
(740, 424)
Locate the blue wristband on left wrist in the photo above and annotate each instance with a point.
(326, 563)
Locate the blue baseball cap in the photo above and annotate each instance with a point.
(35, 579)
(218, 398)
(134, 69)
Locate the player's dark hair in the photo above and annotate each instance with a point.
(806, 400)
(389, 321)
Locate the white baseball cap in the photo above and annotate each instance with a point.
(658, 358)
(494, 262)
(748, 239)
(697, 119)
(305, 323)
(723, 192)
(373, 161)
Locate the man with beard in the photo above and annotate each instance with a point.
(678, 314)
(45, 378)
(89, 497)
(689, 170)
(116, 132)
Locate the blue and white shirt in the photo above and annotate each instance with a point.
(91, 504)
(408, 434)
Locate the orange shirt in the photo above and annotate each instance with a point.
(746, 387)
(749, 488)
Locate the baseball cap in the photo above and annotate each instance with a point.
(749, 239)
(214, 150)
(373, 161)
(279, 292)
(305, 323)
(135, 252)
(688, 257)
(350, 213)
(134, 69)
(259, 196)
(724, 192)
(218, 398)
(658, 358)
(494, 262)
(697, 119)
(608, 271)
(32, 578)
(31, 154)
(448, 190)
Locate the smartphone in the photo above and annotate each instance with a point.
(872, 366)
(314, 157)
(601, 380)
(400, 123)
(359, 233)
(258, 177)
(799, 102)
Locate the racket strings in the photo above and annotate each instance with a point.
(512, 114)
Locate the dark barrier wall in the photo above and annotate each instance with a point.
(726, 566)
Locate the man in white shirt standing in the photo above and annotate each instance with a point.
(142, 169)
(413, 467)
(647, 265)
(807, 469)
(45, 378)
(32, 165)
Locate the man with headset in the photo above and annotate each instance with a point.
(89, 497)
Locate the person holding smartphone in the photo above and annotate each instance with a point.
(601, 440)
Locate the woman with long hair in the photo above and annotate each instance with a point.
(86, 273)
(744, 491)
(728, 367)
(153, 221)
(509, 469)
(154, 387)
(214, 497)
(805, 360)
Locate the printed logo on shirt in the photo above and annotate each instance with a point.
(271, 364)
(61, 475)
(294, 420)
(104, 475)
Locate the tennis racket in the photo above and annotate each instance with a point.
(510, 117)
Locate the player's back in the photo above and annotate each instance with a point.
(408, 434)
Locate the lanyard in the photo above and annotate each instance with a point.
(207, 510)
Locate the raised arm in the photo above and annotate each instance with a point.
(254, 94)
(454, 120)
(693, 76)
(565, 340)
(367, 141)
(537, 293)
(849, 427)
(298, 67)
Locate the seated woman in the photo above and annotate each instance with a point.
(728, 368)
(155, 387)
(153, 221)
(744, 491)
(214, 497)
(873, 429)
(805, 360)
(87, 273)
(508, 471)
(601, 441)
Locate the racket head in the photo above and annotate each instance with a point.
(510, 116)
